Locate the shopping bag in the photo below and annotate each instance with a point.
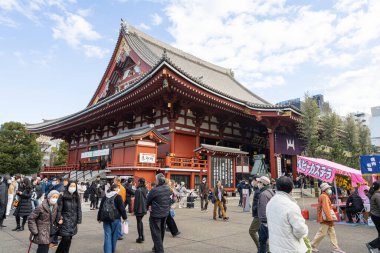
(172, 212)
(125, 227)
(308, 245)
(370, 222)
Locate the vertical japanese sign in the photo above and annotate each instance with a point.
(315, 169)
(222, 169)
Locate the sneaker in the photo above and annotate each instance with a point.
(176, 234)
(314, 250)
(338, 251)
(370, 249)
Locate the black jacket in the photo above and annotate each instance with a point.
(25, 205)
(139, 207)
(357, 202)
(159, 199)
(69, 209)
(256, 196)
(129, 190)
(3, 199)
(119, 206)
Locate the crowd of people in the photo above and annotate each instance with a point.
(52, 209)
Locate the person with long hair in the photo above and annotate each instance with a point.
(140, 208)
(69, 215)
(375, 215)
(93, 195)
(110, 211)
(170, 222)
(24, 208)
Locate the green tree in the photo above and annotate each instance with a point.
(331, 133)
(60, 154)
(308, 128)
(365, 146)
(19, 150)
(351, 141)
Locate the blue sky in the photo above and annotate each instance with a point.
(53, 53)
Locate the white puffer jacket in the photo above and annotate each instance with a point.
(286, 226)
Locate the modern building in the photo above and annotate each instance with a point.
(47, 145)
(159, 109)
(362, 118)
(374, 126)
(297, 103)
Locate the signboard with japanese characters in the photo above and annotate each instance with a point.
(315, 169)
(370, 164)
(222, 169)
(95, 153)
(147, 158)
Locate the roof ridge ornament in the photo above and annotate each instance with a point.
(124, 26)
(164, 54)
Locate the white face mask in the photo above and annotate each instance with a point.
(329, 191)
(9, 181)
(54, 183)
(53, 201)
(72, 189)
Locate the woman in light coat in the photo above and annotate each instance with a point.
(286, 226)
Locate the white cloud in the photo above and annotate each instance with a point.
(268, 41)
(9, 5)
(143, 26)
(94, 51)
(355, 90)
(73, 29)
(156, 19)
(7, 21)
(84, 12)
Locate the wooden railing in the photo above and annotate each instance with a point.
(136, 164)
(62, 168)
(181, 162)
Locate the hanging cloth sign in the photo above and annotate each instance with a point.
(315, 169)
(370, 164)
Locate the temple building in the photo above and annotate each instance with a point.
(159, 109)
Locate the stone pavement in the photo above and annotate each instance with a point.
(199, 233)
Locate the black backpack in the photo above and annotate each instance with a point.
(109, 210)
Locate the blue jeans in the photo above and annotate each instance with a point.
(263, 238)
(111, 234)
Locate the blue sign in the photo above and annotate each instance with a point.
(370, 164)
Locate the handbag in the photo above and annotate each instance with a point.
(15, 203)
(332, 215)
(125, 227)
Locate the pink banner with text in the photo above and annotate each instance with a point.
(315, 169)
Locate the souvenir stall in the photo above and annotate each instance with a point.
(331, 172)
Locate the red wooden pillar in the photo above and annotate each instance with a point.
(197, 138)
(294, 167)
(272, 158)
(192, 181)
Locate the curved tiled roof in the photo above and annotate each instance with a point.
(215, 77)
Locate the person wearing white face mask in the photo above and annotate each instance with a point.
(70, 215)
(11, 194)
(326, 219)
(40, 222)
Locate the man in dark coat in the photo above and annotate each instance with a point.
(159, 201)
(354, 205)
(255, 225)
(3, 200)
(130, 193)
(203, 193)
(140, 208)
